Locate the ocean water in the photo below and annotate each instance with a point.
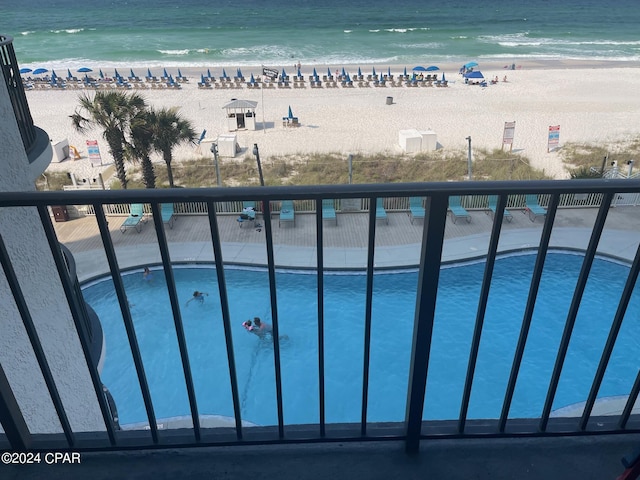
(282, 32)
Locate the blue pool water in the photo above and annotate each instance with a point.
(392, 326)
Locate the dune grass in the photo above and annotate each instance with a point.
(581, 158)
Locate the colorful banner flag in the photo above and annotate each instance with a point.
(94, 152)
(554, 138)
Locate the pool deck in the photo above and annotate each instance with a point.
(398, 243)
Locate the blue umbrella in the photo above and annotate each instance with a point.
(389, 72)
(202, 78)
(252, 80)
(208, 73)
(224, 73)
(179, 74)
(470, 64)
(148, 73)
(86, 79)
(344, 74)
(290, 112)
(38, 71)
(84, 70)
(240, 73)
(166, 75)
(315, 74)
(359, 72)
(443, 77)
(432, 68)
(405, 71)
(328, 72)
(348, 78)
(69, 76)
(374, 74)
(25, 70)
(474, 74)
(284, 74)
(133, 75)
(419, 69)
(101, 74)
(53, 74)
(299, 74)
(117, 75)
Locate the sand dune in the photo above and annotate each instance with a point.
(592, 105)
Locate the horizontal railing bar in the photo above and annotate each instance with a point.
(540, 187)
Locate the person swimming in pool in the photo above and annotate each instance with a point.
(199, 296)
(147, 275)
(261, 329)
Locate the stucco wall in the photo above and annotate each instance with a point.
(31, 258)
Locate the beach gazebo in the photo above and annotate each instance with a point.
(241, 114)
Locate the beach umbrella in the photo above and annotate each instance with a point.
(86, 79)
(179, 74)
(315, 74)
(359, 72)
(69, 76)
(374, 74)
(470, 65)
(419, 69)
(239, 73)
(39, 71)
(443, 77)
(165, 74)
(202, 78)
(117, 75)
(299, 74)
(133, 75)
(328, 72)
(252, 80)
(25, 70)
(389, 72)
(432, 68)
(148, 73)
(224, 73)
(348, 78)
(344, 74)
(84, 70)
(290, 112)
(208, 73)
(101, 74)
(405, 71)
(53, 74)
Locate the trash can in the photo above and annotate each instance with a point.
(60, 213)
(389, 100)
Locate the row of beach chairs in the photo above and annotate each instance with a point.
(533, 209)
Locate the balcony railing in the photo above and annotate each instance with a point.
(11, 75)
(436, 201)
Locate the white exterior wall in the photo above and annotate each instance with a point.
(31, 258)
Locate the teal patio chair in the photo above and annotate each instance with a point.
(287, 213)
(493, 204)
(166, 210)
(329, 211)
(457, 210)
(416, 210)
(135, 218)
(381, 213)
(533, 208)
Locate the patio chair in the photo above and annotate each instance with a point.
(381, 213)
(168, 218)
(533, 208)
(416, 210)
(248, 213)
(287, 213)
(135, 218)
(329, 211)
(493, 204)
(457, 210)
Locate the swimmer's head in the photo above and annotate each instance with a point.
(196, 293)
(247, 323)
(257, 321)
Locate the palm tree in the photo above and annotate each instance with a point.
(111, 111)
(139, 146)
(169, 130)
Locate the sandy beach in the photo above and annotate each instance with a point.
(595, 103)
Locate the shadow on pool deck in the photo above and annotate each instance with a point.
(592, 457)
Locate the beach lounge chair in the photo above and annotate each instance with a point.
(381, 213)
(248, 213)
(166, 209)
(287, 213)
(493, 203)
(329, 211)
(533, 208)
(457, 210)
(416, 210)
(135, 218)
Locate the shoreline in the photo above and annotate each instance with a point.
(594, 104)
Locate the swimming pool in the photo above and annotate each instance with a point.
(392, 328)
